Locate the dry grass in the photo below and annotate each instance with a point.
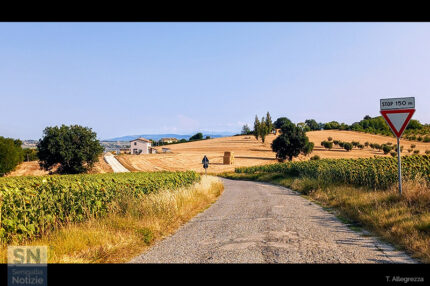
(402, 220)
(135, 226)
(32, 169)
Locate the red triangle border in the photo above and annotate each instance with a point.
(398, 132)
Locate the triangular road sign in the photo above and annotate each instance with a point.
(398, 119)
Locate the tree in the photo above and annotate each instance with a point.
(292, 142)
(280, 122)
(312, 124)
(269, 123)
(74, 147)
(245, 130)
(256, 127)
(197, 136)
(11, 154)
(263, 130)
(303, 126)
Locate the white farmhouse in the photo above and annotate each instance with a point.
(140, 146)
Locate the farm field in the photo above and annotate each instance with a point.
(247, 151)
(32, 169)
(250, 152)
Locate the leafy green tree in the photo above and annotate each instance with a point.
(280, 122)
(197, 136)
(269, 123)
(11, 154)
(312, 124)
(30, 154)
(303, 126)
(74, 147)
(292, 142)
(263, 130)
(245, 130)
(256, 127)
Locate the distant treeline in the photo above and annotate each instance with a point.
(195, 137)
(376, 125)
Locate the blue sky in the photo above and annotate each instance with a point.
(140, 78)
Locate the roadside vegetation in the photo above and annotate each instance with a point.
(11, 154)
(99, 218)
(365, 192)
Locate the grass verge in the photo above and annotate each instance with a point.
(403, 220)
(136, 225)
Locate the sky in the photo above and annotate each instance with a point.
(154, 78)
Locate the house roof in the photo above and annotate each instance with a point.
(141, 139)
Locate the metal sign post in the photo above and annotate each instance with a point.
(205, 163)
(397, 112)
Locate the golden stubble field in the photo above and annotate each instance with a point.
(247, 151)
(250, 152)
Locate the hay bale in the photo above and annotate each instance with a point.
(228, 158)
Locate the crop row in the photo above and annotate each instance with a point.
(32, 205)
(377, 173)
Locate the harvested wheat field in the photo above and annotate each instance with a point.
(32, 169)
(250, 152)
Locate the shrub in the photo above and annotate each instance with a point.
(426, 139)
(393, 153)
(336, 142)
(386, 149)
(355, 143)
(347, 146)
(413, 146)
(329, 139)
(315, 157)
(416, 151)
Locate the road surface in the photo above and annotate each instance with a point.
(114, 163)
(260, 223)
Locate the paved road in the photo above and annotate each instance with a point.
(114, 163)
(260, 223)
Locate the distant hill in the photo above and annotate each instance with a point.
(157, 137)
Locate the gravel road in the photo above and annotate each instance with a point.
(260, 223)
(114, 163)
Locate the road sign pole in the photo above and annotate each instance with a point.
(400, 165)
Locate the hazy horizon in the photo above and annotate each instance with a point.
(182, 78)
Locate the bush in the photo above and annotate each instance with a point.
(413, 146)
(393, 153)
(315, 157)
(327, 144)
(336, 142)
(347, 146)
(426, 139)
(366, 144)
(416, 151)
(386, 149)
(329, 139)
(427, 152)
(355, 143)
